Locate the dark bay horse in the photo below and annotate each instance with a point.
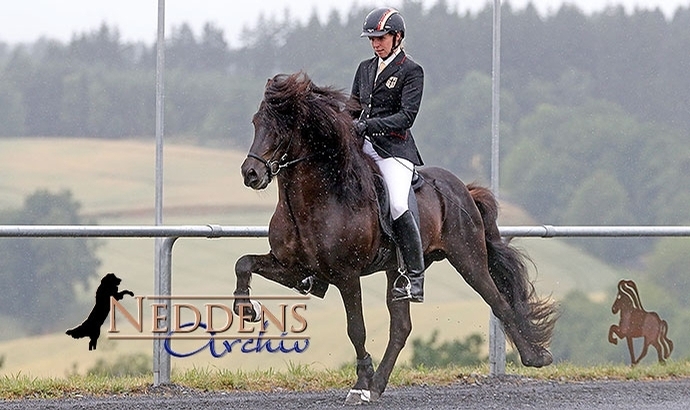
(326, 224)
(635, 322)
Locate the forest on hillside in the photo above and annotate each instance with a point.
(594, 108)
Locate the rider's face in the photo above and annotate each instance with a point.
(382, 45)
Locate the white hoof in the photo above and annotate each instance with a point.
(357, 396)
(256, 306)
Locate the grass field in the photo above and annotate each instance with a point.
(114, 182)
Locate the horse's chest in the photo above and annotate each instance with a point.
(319, 246)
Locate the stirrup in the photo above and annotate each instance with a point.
(404, 291)
(312, 285)
(305, 286)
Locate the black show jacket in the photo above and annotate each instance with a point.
(390, 106)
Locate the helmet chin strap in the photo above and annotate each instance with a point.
(394, 47)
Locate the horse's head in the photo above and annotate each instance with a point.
(272, 136)
(627, 298)
(299, 121)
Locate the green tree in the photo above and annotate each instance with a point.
(669, 263)
(100, 47)
(12, 113)
(459, 120)
(432, 353)
(44, 274)
(602, 200)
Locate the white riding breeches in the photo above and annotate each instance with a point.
(397, 173)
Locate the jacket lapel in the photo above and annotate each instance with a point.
(371, 72)
(390, 69)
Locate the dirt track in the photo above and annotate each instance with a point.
(504, 393)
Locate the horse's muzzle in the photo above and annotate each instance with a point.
(255, 177)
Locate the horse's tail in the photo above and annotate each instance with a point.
(509, 272)
(664, 341)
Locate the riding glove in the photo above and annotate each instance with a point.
(360, 127)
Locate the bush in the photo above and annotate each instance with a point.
(135, 364)
(459, 353)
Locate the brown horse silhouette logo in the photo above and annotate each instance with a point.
(636, 322)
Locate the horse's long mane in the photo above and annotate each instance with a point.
(320, 118)
(629, 289)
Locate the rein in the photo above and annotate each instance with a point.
(274, 166)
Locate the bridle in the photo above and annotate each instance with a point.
(273, 165)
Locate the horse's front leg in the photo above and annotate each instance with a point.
(643, 353)
(614, 330)
(351, 293)
(631, 349)
(268, 267)
(399, 331)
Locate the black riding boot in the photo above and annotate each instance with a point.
(406, 235)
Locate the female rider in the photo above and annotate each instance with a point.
(388, 90)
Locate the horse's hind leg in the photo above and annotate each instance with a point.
(399, 331)
(659, 351)
(475, 271)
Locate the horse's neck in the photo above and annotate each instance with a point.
(304, 191)
(628, 307)
(307, 193)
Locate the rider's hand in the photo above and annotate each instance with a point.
(360, 127)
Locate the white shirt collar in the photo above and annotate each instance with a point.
(390, 58)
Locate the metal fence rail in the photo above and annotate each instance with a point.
(132, 231)
(550, 231)
(162, 281)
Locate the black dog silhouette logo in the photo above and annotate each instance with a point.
(91, 327)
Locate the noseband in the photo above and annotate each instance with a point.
(274, 166)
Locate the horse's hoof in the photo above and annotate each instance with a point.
(256, 314)
(541, 359)
(251, 312)
(547, 358)
(357, 396)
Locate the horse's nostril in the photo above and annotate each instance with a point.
(250, 177)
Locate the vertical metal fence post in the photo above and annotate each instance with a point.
(161, 359)
(497, 339)
(159, 250)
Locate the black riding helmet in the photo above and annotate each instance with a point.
(381, 21)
